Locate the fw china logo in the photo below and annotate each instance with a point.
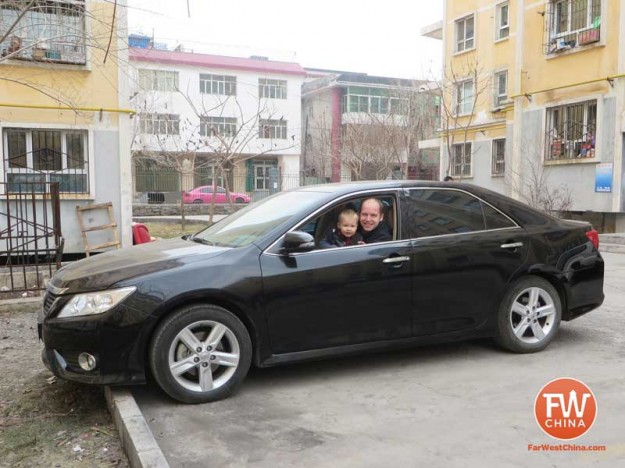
(565, 408)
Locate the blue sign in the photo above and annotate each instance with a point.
(603, 177)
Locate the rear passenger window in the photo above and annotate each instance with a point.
(435, 212)
(494, 219)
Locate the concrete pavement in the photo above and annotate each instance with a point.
(459, 405)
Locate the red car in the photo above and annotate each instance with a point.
(204, 194)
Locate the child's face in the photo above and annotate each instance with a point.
(348, 226)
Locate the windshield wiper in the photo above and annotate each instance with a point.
(199, 240)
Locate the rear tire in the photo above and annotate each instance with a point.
(239, 200)
(529, 316)
(198, 201)
(200, 353)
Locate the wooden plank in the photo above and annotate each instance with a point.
(101, 227)
(101, 246)
(95, 206)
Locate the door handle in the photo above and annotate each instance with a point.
(396, 259)
(514, 245)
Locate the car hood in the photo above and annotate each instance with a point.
(104, 270)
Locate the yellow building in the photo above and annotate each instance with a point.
(534, 101)
(63, 116)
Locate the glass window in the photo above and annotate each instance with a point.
(272, 89)
(273, 129)
(218, 84)
(213, 126)
(159, 124)
(158, 80)
(46, 155)
(256, 221)
(465, 33)
(498, 161)
(49, 30)
(464, 97)
(461, 160)
(502, 19)
(447, 211)
(571, 131)
(495, 219)
(501, 88)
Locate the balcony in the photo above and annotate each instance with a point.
(59, 51)
(571, 24)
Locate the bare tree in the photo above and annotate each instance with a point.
(375, 143)
(460, 85)
(535, 186)
(201, 142)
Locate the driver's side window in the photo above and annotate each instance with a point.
(339, 225)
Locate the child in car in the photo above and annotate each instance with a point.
(345, 233)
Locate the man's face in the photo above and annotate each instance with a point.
(370, 215)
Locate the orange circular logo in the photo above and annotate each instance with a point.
(565, 408)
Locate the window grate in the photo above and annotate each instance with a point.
(571, 130)
(570, 24)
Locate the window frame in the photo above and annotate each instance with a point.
(271, 88)
(156, 120)
(158, 80)
(49, 174)
(460, 98)
(218, 85)
(460, 44)
(499, 25)
(46, 36)
(555, 145)
(570, 38)
(462, 164)
(221, 126)
(500, 99)
(498, 160)
(272, 129)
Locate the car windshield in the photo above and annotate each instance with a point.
(252, 223)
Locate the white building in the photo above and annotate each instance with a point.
(244, 112)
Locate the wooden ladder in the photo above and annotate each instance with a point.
(111, 225)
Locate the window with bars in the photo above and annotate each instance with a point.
(273, 89)
(465, 33)
(571, 131)
(498, 159)
(500, 88)
(273, 129)
(158, 80)
(572, 23)
(213, 126)
(44, 155)
(502, 20)
(49, 30)
(461, 160)
(159, 124)
(218, 84)
(464, 97)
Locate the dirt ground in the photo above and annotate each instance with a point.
(45, 421)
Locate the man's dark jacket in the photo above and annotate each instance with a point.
(380, 234)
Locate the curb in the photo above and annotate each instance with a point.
(612, 248)
(137, 439)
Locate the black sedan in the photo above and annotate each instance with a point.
(451, 261)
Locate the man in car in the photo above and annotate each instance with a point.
(372, 225)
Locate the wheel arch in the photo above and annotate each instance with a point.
(226, 303)
(556, 280)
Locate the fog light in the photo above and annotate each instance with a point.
(86, 361)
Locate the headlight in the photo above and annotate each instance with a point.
(95, 302)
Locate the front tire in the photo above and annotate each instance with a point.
(200, 353)
(529, 316)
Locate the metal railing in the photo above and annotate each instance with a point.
(31, 245)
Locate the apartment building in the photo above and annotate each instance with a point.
(535, 93)
(209, 119)
(358, 126)
(64, 121)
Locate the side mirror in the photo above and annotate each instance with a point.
(298, 241)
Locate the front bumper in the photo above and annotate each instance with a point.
(113, 342)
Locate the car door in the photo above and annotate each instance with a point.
(337, 297)
(465, 253)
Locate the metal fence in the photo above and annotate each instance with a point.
(31, 245)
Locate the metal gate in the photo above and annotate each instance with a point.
(31, 245)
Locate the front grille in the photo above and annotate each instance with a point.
(48, 301)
